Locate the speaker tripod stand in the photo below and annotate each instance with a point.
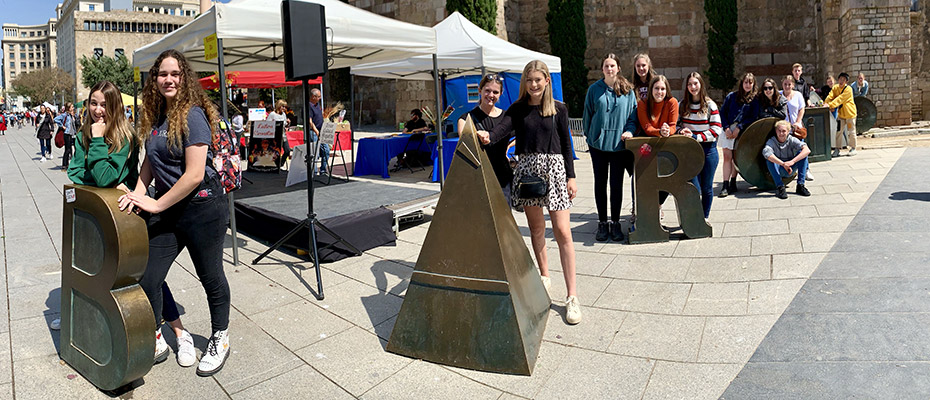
(311, 221)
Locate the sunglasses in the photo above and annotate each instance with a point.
(494, 77)
(769, 87)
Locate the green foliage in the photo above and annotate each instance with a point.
(47, 84)
(116, 70)
(568, 41)
(721, 39)
(480, 12)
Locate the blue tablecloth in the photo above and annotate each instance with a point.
(448, 152)
(374, 154)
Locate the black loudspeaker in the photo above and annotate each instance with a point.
(303, 26)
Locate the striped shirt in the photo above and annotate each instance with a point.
(704, 127)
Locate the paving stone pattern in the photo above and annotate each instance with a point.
(667, 320)
(858, 326)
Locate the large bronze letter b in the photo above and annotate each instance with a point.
(107, 325)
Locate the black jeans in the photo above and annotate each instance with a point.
(169, 311)
(197, 223)
(610, 164)
(66, 157)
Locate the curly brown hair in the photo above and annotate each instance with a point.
(189, 95)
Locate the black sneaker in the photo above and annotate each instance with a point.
(732, 188)
(802, 190)
(603, 230)
(725, 191)
(616, 232)
(781, 193)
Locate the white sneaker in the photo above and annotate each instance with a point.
(852, 152)
(572, 310)
(43, 159)
(187, 356)
(809, 176)
(547, 282)
(161, 347)
(215, 356)
(56, 324)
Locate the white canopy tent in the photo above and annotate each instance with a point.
(251, 35)
(249, 38)
(464, 49)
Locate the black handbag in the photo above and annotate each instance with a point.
(531, 186)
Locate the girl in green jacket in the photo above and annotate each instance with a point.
(107, 155)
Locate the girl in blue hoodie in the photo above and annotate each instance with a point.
(609, 118)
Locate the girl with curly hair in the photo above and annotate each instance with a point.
(187, 204)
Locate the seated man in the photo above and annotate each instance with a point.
(785, 153)
(417, 127)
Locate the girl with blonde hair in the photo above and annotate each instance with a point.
(543, 144)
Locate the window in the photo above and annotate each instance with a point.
(32, 47)
(99, 26)
(12, 64)
(171, 11)
(119, 27)
(22, 65)
(90, 7)
(98, 52)
(22, 55)
(12, 74)
(32, 34)
(106, 26)
(134, 28)
(474, 95)
(120, 53)
(32, 64)
(86, 26)
(12, 47)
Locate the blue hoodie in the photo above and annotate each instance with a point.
(607, 116)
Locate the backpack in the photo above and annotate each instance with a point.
(226, 160)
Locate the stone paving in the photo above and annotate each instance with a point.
(661, 321)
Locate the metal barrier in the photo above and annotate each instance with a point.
(576, 126)
(107, 324)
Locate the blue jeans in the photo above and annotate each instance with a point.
(705, 179)
(779, 172)
(323, 154)
(45, 145)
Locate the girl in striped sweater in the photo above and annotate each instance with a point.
(700, 120)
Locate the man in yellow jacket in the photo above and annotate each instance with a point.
(841, 96)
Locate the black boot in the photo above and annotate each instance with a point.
(733, 186)
(603, 230)
(616, 232)
(725, 190)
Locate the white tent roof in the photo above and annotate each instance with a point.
(463, 49)
(251, 33)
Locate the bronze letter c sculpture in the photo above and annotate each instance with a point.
(666, 164)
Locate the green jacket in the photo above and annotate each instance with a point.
(96, 166)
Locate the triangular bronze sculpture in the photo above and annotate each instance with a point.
(475, 299)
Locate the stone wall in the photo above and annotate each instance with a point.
(920, 63)
(877, 42)
(823, 35)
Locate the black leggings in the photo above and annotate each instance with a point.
(610, 163)
(199, 224)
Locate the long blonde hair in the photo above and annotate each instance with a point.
(189, 95)
(548, 102)
(118, 131)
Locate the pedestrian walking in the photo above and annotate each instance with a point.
(44, 128)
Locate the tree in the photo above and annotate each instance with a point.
(116, 70)
(47, 84)
(721, 40)
(569, 42)
(480, 12)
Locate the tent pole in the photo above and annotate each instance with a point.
(229, 196)
(438, 114)
(352, 121)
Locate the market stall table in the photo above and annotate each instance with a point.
(296, 138)
(374, 154)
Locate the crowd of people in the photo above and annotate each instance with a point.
(617, 109)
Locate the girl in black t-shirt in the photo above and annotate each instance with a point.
(188, 206)
(544, 146)
(486, 115)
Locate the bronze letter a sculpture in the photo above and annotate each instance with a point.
(475, 299)
(666, 164)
